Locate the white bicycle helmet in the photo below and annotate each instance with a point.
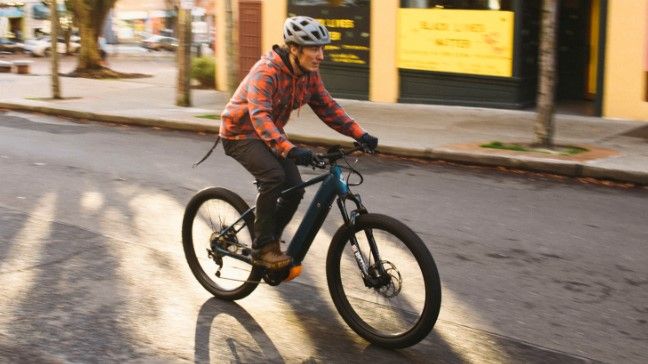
(305, 31)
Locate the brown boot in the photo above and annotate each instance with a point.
(271, 257)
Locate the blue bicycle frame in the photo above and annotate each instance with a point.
(333, 185)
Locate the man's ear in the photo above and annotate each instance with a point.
(293, 49)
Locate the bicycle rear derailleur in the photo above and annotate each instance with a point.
(223, 244)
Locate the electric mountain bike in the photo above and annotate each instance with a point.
(381, 276)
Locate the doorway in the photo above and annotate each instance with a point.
(578, 57)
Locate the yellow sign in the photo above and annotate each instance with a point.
(460, 41)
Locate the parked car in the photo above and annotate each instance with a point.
(10, 46)
(160, 42)
(42, 47)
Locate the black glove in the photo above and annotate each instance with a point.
(369, 141)
(301, 156)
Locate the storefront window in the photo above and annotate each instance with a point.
(348, 24)
(459, 4)
(465, 37)
(41, 11)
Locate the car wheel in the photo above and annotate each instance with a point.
(47, 52)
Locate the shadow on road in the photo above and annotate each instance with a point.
(226, 338)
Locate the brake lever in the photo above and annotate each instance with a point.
(318, 162)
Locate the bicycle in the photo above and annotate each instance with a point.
(370, 260)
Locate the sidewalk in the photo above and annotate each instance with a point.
(618, 149)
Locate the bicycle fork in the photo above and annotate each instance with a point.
(373, 276)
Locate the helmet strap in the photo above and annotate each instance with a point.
(294, 60)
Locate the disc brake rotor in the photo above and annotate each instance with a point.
(393, 287)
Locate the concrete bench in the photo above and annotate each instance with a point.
(22, 67)
(5, 67)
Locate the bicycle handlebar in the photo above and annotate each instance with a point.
(335, 153)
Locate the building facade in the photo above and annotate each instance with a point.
(463, 52)
(133, 20)
(25, 19)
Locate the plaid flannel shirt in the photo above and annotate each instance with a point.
(261, 105)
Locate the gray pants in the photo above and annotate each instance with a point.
(273, 175)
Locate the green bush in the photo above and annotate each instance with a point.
(203, 69)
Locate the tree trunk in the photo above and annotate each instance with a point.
(544, 126)
(232, 62)
(67, 35)
(54, 19)
(183, 95)
(89, 17)
(89, 57)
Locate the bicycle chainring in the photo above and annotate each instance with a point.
(274, 277)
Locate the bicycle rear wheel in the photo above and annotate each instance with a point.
(207, 215)
(399, 309)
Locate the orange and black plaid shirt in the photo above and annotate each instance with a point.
(261, 105)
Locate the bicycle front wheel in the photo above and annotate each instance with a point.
(399, 305)
(207, 215)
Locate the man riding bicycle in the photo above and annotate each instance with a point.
(252, 128)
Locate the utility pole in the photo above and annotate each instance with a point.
(54, 21)
(183, 94)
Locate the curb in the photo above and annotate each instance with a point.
(559, 167)
(115, 119)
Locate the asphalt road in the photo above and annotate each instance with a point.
(533, 269)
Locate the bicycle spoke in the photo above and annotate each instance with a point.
(208, 214)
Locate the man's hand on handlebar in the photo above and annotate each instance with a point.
(305, 157)
(368, 142)
(301, 156)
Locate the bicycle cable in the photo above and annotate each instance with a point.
(352, 171)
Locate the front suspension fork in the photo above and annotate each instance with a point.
(370, 280)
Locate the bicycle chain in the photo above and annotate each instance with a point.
(242, 280)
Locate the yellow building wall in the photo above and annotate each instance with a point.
(383, 72)
(221, 50)
(274, 14)
(625, 60)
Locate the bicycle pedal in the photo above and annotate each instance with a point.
(294, 272)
